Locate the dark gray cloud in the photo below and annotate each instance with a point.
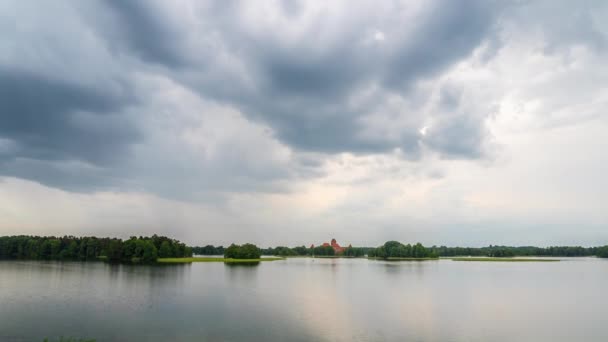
(54, 120)
(302, 87)
(305, 88)
(78, 87)
(146, 29)
(64, 134)
(446, 33)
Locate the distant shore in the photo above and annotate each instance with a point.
(230, 260)
(401, 259)
(203, 259)
(503, 259)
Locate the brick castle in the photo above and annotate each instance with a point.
(334, 244)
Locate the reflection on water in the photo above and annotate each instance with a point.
(242, 264)
(304, 299)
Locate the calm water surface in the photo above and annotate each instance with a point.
(307, 300)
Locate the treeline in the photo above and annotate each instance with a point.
(398, 250)
(316, 251)
(208, 250)
(246, 251)
(283, 251)
(395, 249)
(135, 249)
(286, 251)
(506, 251)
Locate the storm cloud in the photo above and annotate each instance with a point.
(302, 72)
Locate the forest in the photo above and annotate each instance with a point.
(135, 249)
(395, 249)
(507, 251)
(208, 250)
(414, 251)
(283, 251)
(246, 251)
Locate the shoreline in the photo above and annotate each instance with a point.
(502, 259)
(199, 259)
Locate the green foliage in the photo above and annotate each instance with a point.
(144, 249)
(323, 251)
(208, 250)
(602, 252)
(354, 252)
(113, 252)
(284, 251)
(505, 251)
(246, 251)
(501, 253)
(395, 249)
(150, 253)
(165, 250)
(301, 250)
(317, 251)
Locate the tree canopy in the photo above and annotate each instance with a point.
(602, 252)
(135, 249)
(246, 251)
(395, 249)
(208, 250)
(509, 251)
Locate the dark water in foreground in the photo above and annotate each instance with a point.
(307, 300)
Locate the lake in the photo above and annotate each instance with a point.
(304, 299)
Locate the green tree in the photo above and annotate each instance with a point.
(395, 249)
(150, 254)
(324, 251)
(128, 249)
(114, 251)
(92, 248)
(246, 251)
(139, 248)
(165, 250)
(602, 252)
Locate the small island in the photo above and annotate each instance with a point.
(247, 253)
(394, 250)
(135, 250)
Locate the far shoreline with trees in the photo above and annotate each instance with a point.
(161, 249)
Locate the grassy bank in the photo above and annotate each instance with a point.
(504, 259)
(195, 259)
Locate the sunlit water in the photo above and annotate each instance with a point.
(307, 300)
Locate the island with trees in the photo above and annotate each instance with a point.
(394, 250)
(134, 250)
(234, 254)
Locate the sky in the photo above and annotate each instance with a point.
(293, 122)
